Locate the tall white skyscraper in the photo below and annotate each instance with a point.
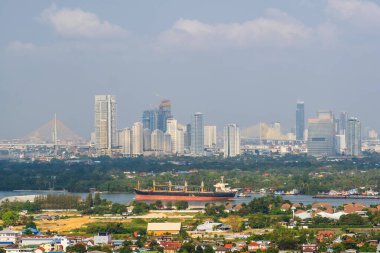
(197, 135)
(231, 140)
(105, 123)
(209, 136)
(137, 139)
(147, 139)
(171, 128)
(354, 137)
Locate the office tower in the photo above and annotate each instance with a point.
(150, 119)
(300, 120)
(164, 113)
(340, 143)
(231, 140)
(137, 139)
(157, 140)
(147, 139)
(124, 141)
(342, 123)
(180, 141)
(353, 137)
(105, 123)
(187, 137)
(209, 136)
(167, 143)
(171, 128)
(197, 134)
(321, 134)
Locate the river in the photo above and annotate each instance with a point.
(128, 197)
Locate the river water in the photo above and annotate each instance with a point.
(128, 197)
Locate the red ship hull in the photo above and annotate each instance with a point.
(187, 198)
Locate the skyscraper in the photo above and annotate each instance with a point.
(197, 134)
(124, 141)
(150, 119)
(210, 136)
(137, 139)
(321, 135)
(105, 123)
(187, 137)
(300, 120)
(147, 139)
(171, 128)
(164, 113)
(157, 140)
(342, 123)
(231, 140)
(353, 137)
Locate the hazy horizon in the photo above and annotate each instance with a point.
(237, 62)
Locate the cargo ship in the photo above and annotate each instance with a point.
(172, 192)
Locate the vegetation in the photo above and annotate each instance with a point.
(308, 175)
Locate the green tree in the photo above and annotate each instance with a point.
(208, 249)
(258, 221)
(10, 218)
(78, 248)
(89, 201)
(351, 219)
(181, 205)
(125, 250)
(198, 249)
(97, 199)
(30, 224)
(169, 205)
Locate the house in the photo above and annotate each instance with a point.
(303, 215)
(220, 250)
(102, 238)
(285, 207)
(228, 246)
(210, 226)
(258, 245)
(354, 207)
(162, 228)
(309, 248)
(325, 235)
(9, 237)
(170, 247)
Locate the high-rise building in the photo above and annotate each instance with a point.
(157, 140)
(354, 137)
(164, 113)
(342, 123)
(300, 120)
(137, 139)
(231, 140)
(105, 123)
(167, 143)
(209, 136)
(147, 139)
(187, 137)
(150, 119)
(321, 134)
(124, 141)
(197, 135)
(171, 128)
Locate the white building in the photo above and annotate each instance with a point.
(124, 141)
(8, 237)
(171, 129)
(231, 140)
(102, 238)
(137, 139)
(209, 136)
(105, 123)
(157, 140)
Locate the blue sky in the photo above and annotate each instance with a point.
(237, 61)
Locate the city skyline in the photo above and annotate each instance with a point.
(324, 52)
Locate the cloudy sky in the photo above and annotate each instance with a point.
(236, 61)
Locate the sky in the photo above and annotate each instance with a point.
(238, 62)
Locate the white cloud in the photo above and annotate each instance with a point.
(77, 23)
(19, 46)
(361, 13)
(276, 28)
